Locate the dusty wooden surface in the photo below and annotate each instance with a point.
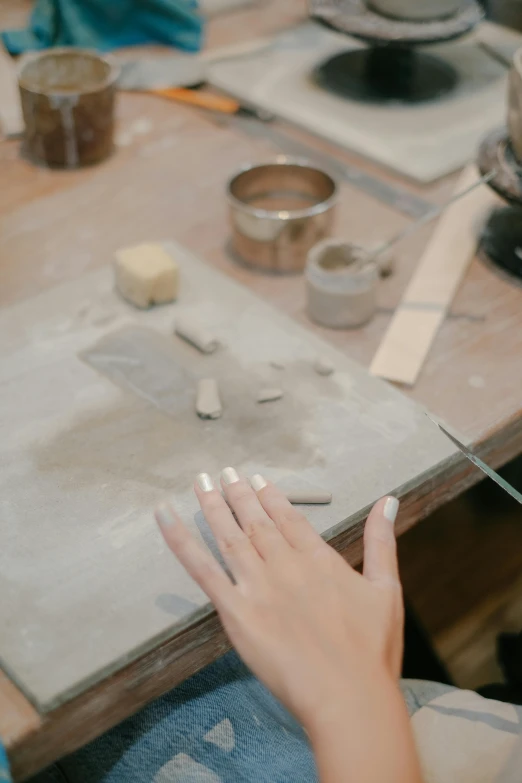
(169, 182)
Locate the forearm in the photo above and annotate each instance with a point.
(365, 736)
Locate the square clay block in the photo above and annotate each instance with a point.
(146, 275)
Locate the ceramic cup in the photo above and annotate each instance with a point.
(514, 117)
(416, 10)
(341, 288)
(68, 106)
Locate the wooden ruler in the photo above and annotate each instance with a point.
(428, 297)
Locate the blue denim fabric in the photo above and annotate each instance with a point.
(223, 726)
(4, 766)
(220, 726)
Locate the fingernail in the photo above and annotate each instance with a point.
(229, 476)
(165, 516)
(391, 507)
(258, 482)
(205, 482)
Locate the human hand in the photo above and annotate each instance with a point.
(308, 625)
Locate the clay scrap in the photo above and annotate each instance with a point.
(208, 402)
(196, 335)
(146, 275)
(323, 366)
(317, 497)
(269, 395)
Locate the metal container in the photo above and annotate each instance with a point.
(278, 211)
(514, 116)
(68, 106)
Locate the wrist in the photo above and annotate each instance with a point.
(347, 698)
(363, 732)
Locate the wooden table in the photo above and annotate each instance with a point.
(169, 182)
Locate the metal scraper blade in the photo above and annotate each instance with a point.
(506, 486)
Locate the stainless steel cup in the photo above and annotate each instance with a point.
(278, 211)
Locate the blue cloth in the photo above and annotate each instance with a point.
(4, 766)
(108, 24)
(223, 726)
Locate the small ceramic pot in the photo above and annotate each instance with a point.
(68, 106)
(416, 10)
(341, 287)
(514, 116)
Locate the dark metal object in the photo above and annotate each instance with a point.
(354, 17)
(68, 106)
(505, 485)
(386, 73)
(501, 241)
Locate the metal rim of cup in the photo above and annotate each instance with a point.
(31, 57)
(278, 214)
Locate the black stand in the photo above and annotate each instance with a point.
(391, 68)
(501, 241)
(381, 74)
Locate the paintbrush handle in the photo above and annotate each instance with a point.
(205, 100)
(429, 216)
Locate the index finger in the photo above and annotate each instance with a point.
(198, 563)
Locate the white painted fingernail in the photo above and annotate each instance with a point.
(165, 517)
(258, 482)
(391, 508)
(229, 476)
(205, 482)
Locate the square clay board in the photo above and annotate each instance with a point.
(98, 426)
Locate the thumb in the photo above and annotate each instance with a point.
(380, 548)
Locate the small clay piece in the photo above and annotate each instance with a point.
(277, 365)
(208, 403)
(269, 395)
(196, 335)
(146, 275)
(323, 366)
(310, 496)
